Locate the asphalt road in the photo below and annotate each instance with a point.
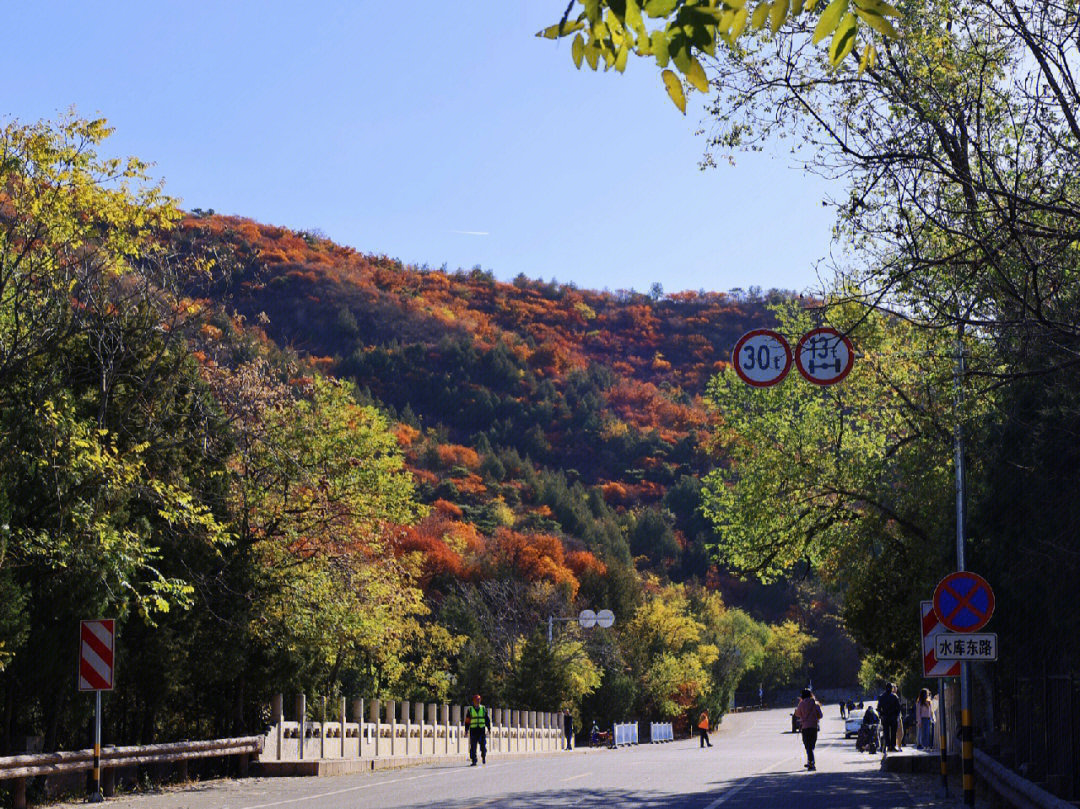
(754, 764)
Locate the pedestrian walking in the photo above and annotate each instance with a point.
(568, 728)
(809, 715)
(843, 709)
(924, 720)
(477, 722)
(703, 729)
(888, 706)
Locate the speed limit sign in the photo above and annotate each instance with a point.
(761, 358)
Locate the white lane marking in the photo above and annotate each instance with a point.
(312, 797)
(731, 793)
(573, 777)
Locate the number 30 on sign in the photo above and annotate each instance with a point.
(761, 358)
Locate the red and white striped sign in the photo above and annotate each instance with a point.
(96, 654)
(931, 628)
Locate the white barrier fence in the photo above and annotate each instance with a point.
(625, 734)
(404, 729)
(661, 732)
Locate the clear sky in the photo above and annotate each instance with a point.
(434, 132)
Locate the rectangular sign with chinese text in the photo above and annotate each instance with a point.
(976, 646)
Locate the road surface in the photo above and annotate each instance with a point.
(755, 763)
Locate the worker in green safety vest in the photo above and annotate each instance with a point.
(477, 720)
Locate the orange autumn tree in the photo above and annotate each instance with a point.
(531, 557)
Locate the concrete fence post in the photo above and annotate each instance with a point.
(406, 718)
(322, 727)
(375, 720)
(433, 723)
(277, 710)
(358, 716)
(391, 720)
(444, 719)
(515, 718)
(455, 720)
(344, 732)
(301, 718)
(496, 722)
(418, 716)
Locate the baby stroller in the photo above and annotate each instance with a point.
(867, 740)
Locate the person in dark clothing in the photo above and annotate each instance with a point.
(889, 707)
(568, 728)
(477, 722)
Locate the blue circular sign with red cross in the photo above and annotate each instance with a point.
(963, 601)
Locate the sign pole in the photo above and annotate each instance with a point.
(95, 795)
(967, 735)
(944, 736)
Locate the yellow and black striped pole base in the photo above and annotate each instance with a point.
(967, 757)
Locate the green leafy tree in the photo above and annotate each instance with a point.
(678, 32)
(852, 481)
(317, 488)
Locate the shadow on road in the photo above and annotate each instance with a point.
(781, 790)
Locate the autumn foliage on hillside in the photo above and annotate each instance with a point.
(532, 414)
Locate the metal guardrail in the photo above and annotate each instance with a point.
(21, 767)
(661, 732)
(1015, 789)
(625, 734)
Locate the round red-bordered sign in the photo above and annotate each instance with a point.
(762, 358)
(824, 356)
(964, 601)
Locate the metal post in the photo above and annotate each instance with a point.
(967, 732)
(95, 794)
(943, 735)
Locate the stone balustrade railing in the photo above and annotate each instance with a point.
(394, 729)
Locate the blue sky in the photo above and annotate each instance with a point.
(433, 132)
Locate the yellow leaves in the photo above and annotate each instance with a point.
(560, 29)
(829, 20)
(843, 39)
(761, 13)
(778, 14)
(578, 50)
(868, 58)
(674, 89)
(873, 13)
(696, 76)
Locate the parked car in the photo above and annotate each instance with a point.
(852, 725)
